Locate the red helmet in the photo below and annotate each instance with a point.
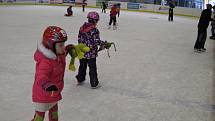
(52, 35)
(93, 15)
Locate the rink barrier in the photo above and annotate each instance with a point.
(180, 11)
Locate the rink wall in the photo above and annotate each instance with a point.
(141, 7)
(158, 8)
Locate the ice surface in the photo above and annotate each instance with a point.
(153, 76)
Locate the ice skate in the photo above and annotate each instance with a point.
(114, 27)
(80, 83)
(109, 26)
(203, 49)
(117, 24)
(98, 86)
(212, 37)
(197, 50)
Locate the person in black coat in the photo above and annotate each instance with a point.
(83, 5)
(69, 11)
(213, 24)
(171, 6)
(104, 6)
(204, 20)
(118, 6)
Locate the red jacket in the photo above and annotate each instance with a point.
(113, 11)
(49, 71)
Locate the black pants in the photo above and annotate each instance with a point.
(92, 71)
(201, 38)
(118, 13)
(213, 30)
(83, 8)
(170, 14)
(112, 19)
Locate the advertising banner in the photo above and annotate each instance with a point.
(55, 1)
(69, 1)
(135, 6)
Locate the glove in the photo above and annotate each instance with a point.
(69, 47)
(52, 88)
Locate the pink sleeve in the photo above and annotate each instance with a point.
(43, 72)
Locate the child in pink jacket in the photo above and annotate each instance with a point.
(50, 66)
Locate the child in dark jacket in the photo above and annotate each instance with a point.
(89, 35)
(69, 11)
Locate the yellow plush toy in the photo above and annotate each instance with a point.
(78, 51)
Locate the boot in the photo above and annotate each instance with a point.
(109, 26)
(114, 27)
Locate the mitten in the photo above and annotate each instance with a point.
(69, 47)
(52, 88)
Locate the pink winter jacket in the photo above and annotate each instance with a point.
(49, 71)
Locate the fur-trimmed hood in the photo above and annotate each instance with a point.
(46, 52)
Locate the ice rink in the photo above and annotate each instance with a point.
(154, 75)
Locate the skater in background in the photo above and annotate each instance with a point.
(104, 7)
(171, 7)
(204, 20)
(50, 66)
(83, 5)
(69, 11)
(89, 35)
(113, 14)
(118, 7)
(213, 24)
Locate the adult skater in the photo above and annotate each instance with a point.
(171, 7)
(104, 7)
(118, 7)
(204, 20)
(213, 25)
(83, 5)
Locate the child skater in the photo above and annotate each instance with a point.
(69, 11)
(89, 35)
(50, 66)
(113, 14)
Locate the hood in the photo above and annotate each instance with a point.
(43, 52)
(87, 27)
